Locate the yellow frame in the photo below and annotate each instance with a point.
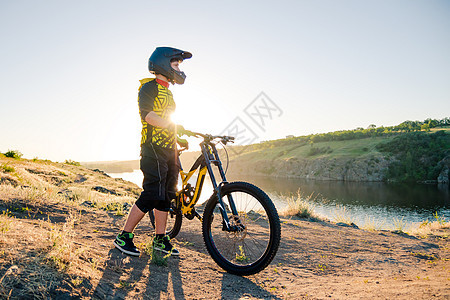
(185, 176)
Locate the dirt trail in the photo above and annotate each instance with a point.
(316, 260)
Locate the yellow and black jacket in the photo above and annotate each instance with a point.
(158, 98)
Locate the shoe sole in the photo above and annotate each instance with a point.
(125, 251)
(167, 252)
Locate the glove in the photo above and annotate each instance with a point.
(183, 143)
(181, 131)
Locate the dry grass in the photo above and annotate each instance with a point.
(20, 195)
(118, 204)
(39, 280)
(299, 206)
(371, 224)
(7, 190)
(342, 215)
(157, 257)
(32, 194)
(400, 225)
(39, 256)
(87, 197)
(76, 197)
(26, 275)
(439, 227)
(5, 221)
(63, 251)
(7, 168)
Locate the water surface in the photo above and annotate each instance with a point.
(383, 205)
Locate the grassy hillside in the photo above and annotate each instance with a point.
(362, 158)
(354, 160)
(329, 149)
(419, 156)
(49, 214)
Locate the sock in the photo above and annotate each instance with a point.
(159, 236)
(123, 232)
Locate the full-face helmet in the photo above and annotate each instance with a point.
(159, 63)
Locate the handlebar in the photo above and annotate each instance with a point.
(208, 137)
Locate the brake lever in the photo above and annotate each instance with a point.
(227, 139)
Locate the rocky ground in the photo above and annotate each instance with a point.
(58, 222)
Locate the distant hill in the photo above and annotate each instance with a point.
(369, 154)
(113, 166)
(130, 165)
(373, 154)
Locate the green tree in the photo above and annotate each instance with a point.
(425, 127)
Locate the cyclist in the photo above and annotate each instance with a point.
(159, 156)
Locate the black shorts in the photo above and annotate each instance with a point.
(160, 167)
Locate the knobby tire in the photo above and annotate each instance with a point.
(249, 251)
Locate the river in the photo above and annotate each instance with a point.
(384, 206)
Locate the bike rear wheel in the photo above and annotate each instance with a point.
(174, 220)
(250, 250)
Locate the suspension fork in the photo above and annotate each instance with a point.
(212, 157)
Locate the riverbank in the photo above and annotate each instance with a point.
(58, 222)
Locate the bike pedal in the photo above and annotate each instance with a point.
(191, 214)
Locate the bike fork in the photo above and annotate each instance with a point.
(213, 157)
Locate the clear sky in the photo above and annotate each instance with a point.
(70, 70)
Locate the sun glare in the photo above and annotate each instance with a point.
(191, 113)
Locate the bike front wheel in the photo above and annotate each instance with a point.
(251, 248)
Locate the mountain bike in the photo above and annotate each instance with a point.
(240, 224)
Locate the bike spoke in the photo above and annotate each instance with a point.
(243, 248)
(255, 240)
(250, 251)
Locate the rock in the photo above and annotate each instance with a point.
(101, 172)
(367, 168)
(68, 194)
(6, 179)
(103, 190)
(80, 178)
(87, 203)
(347, 225)
(443, 176)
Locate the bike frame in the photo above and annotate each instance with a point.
(187, 207)
(204, 162)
